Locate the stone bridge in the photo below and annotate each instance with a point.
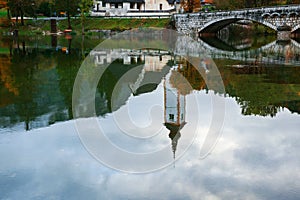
(284, 19)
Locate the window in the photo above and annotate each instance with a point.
(139, 6)
(160, 6)
(131, 5)
(171, 117)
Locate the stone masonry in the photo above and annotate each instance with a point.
(212, 22)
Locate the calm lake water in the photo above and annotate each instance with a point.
(149, 100)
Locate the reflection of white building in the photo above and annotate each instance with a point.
(155, 63)
(133, 7)
(154, 60)
(174, 105)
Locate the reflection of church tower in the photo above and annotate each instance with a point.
(174, 111)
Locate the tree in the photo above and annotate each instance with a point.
(20, 8)
(45, 8)
(71, 7)
(232, 4)
(3, 4)
(191, 5)
(85, 7)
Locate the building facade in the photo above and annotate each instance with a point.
(133, 8)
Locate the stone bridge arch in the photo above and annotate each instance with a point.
(296, 28)
(217, 24)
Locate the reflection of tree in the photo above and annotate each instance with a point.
(23, 68)
(262, 90)
(6, 75)
(39, 82)
(34, 79)
(111, 76)
(180, 83)
(250, 108)
(191, 74)
(67, 68)
(259, 90)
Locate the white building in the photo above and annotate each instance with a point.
(134, 8)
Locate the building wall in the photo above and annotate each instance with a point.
(158, 5)
(101, 9)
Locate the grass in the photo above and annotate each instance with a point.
(3, 13)
(33, 27)
(3, 18)
(4, 50)
(114, 24)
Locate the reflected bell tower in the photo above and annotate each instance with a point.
(174, 109)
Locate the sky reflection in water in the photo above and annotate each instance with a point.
(251, 160)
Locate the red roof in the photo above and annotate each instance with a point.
(207, 1)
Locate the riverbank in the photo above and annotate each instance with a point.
(92, 25)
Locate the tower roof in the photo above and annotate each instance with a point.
(174, 134)
(174, 128)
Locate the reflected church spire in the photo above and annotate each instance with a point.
(174, 108)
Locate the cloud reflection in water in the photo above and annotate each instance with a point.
(256, 158)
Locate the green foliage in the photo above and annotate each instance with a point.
(208, 8)
(21, 8)
(71, 7)
(85, 6)
(45, 9)
(3, 13)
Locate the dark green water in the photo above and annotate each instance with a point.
(37, 80)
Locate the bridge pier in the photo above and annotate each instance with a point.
(284, 33)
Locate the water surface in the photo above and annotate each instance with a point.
(255, 157)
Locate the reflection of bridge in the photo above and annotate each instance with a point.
(273, 17)
(272, 53)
